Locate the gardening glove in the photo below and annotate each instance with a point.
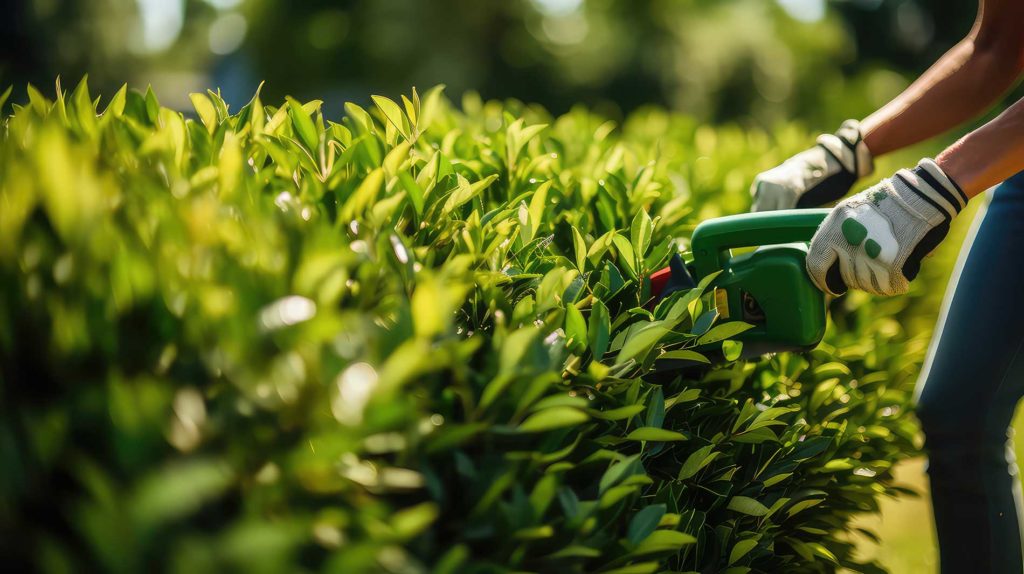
(817, 176)
(875, 240)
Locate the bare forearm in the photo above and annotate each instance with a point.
(960, 86)
(989, 154)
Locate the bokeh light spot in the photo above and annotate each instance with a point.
(224, 4)
(162, 21)
(227, 33)
(558, 7)
(804, 10)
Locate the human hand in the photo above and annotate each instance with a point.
(816, 176)
(875, 240)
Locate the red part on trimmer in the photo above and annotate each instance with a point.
(659, 279)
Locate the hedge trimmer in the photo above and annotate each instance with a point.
(767, 287)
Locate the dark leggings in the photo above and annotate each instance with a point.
(971, 384)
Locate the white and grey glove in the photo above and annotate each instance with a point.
(875, 240)
(817, 176)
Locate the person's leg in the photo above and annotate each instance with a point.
(972, 381)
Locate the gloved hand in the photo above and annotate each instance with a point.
(817, 176)
(875, 240)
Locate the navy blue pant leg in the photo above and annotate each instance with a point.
(971, 386)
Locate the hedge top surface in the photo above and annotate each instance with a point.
(415, 340)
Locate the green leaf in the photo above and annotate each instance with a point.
(599, 329)
(696, 461)
(689, 395)
(465, 191)
(617, 414)
(37, 100)
(656, 408)
(428, 316)
(560, 400)
(685, 355)
(637, 568)
(534, 533)
(393, 161)
(824, 391)
(543, 494)
(580, 248)
(152, 105)
(732, 350)
(747, 505)
(757, 436)
(116, 106)
(644, 523)
(838, 464)
(516, 137)
(393, 113)
(4, 97)
(768, 416)
(663, 541)
(723, 331)
(626, 253)
(515, 348)
(642, 342)
(703, 284)
(257, 115)
(538, 206)
(303, 125)
(85, 111)
(803, 505)
(655, 434)
(617, 472)
(704, 321)
(218, 104)
(413, 189)
(576, 551)
(363, 196)
(575, 329)
(179, 490)
(410, 522)
(204, 108)
(411, 106)
(640, 232)
(741, 549)
(822, 552)
(831, 369)
(58, 103)
(553, 418)
(772, 481)
(451, 561)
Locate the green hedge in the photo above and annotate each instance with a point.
(412, 341)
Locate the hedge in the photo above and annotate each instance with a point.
(417, 340)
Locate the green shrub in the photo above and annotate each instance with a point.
(415, 340)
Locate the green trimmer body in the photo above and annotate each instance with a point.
(767, 287)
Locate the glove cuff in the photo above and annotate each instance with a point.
(928, 182)
(848, 147)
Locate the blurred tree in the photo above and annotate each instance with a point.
(718, 59)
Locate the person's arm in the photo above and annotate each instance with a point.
(960, 86)
(875, 240)
(989, 154)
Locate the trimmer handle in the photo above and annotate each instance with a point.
(712, 240)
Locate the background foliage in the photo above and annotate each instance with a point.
(819, 60)
(411, 341)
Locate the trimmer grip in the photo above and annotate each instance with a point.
(713, 239)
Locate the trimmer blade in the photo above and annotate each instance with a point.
(675, 277)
